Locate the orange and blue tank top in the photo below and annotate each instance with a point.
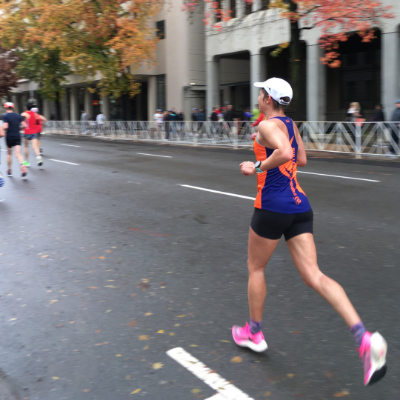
(278, 189)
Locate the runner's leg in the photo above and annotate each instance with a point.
(9, 157)
(259, 252)
(304, 255)
(26, 149)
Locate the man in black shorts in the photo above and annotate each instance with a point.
(11, 125)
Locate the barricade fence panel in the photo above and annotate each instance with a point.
(358, 138)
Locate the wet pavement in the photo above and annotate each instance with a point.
(108, 263)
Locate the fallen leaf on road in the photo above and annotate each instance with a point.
(93, 287)
(53, 301)
(101, 344)
(236, 359)
(158, 365)
(132, 323)
(128, 377)
(160, 331)
(193, 345)
(148, 314)
(111, 286)
(267, 394)
(136, 391)
(291, 375)
(195, 391)
(55, 378)
(102, 258)
(118, 355)
(13, 319)
(86, 390)
(59, 325)
(108, 311)
(144, 337)
(341, 394)
(180, 316)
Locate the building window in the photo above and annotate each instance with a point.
(233, 9)
(161, 29)
(264, 4)
(161, 92)
(219, 10)
(248, 8)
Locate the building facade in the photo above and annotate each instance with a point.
(199, 66)
(242, 53)
(177, 81)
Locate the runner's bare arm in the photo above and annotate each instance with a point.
(271, 136)
(301, 153)
(2, 128)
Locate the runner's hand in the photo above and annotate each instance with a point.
(247, 168)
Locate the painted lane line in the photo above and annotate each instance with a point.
(153, 155)
(338, 176)
(226, 391)
(218, 192)
(70, 145)
(65, 162)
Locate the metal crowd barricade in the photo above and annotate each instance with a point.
(373, 138)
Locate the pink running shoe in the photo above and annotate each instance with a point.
(243, 337)
(373, 355)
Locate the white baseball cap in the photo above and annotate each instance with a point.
(35, 109)
(9, 104)
(277, 88)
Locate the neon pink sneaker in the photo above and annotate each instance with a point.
(373, 355)
(243, 337)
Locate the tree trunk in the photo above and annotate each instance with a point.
(295, 65)
(58, 107)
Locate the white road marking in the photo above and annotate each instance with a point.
(70, 145)
(338, 176)
(153, 155)
(218, 192)
(226, 391)
(65, 162)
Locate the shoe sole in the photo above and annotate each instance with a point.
(378, 358)
(258, 348)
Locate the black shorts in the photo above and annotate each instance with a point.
(13, 141)
(272, 225)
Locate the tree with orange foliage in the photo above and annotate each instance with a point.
(336, 19)
(8, 77)
(105, 41)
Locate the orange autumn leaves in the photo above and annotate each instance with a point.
(106, 39)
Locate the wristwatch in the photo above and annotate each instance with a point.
(257, 166)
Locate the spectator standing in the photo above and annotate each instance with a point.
(100, 121)
(84, 122)
(379, 115)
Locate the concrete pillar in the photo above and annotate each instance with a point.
(316, 84)
(256, 5)
(151, 97)
(390, 60)
(88, 104)
(105, 107)
(240, 8)
(73, 100)
(14, 99)
(258, 73)
(212, 85)
(47, 109)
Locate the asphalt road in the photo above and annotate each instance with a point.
(108, 263)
